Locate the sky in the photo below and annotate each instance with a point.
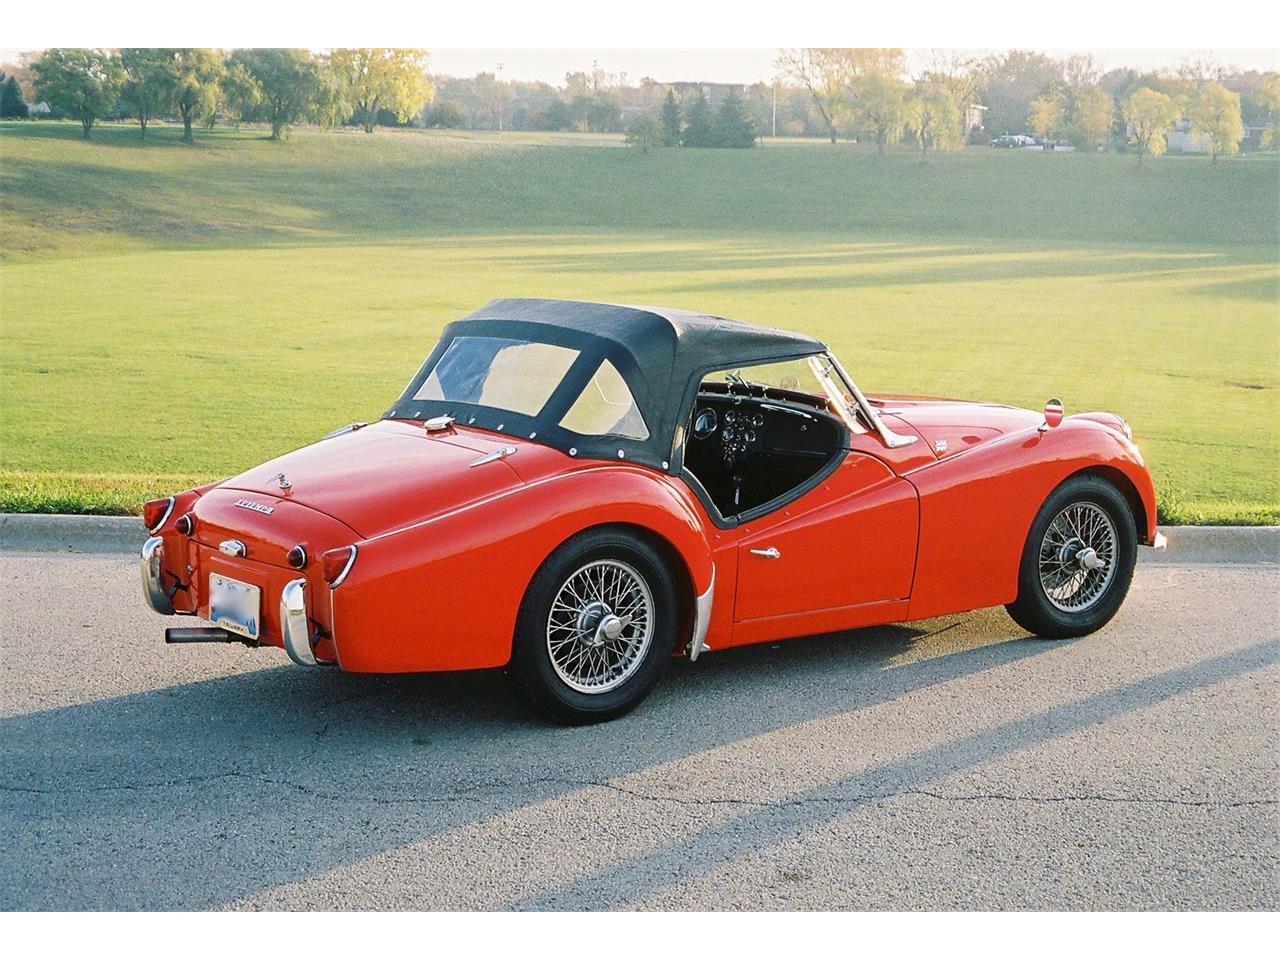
(744, 66)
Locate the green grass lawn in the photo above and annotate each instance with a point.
(172, 314)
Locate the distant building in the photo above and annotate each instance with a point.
(1184, 138)
(714, 93)
(974, 116)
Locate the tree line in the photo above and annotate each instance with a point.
(959, 99)
(852, 94)
(279, 87)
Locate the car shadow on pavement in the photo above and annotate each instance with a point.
(207, 793)
(762, 826)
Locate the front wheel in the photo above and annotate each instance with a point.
(1077, 562)
(596, 629)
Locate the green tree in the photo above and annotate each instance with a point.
(1093, 116)
(12, 106)
(447, 115)
(670, 120)
(331, 102)
(1010, 82)
(147, 84)
(1267, 97)
(1150, 114)
(930, 113)
(732, 127)
(286, 80)
(195, 73)
(1215, 112)
(879, 100)
(698, 131)
(83, 84)
(644, 132)
(384, 78)
(240, 93)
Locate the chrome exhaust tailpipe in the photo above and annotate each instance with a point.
(205, 635)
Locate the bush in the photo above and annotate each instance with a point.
(644, 132)
(445, 115)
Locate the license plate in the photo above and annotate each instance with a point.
(234, 606)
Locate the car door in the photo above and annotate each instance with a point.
(849, 542)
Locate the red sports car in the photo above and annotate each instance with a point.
(578, 491)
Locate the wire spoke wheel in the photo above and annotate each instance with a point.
(1078, 557)
(600, 626)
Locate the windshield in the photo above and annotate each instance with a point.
(813, 375)
(515, 375)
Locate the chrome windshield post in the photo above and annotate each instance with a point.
(891, 440)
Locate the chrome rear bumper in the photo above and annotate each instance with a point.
(152, 564)
(295, 627)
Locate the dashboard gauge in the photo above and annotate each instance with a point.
(704, 425)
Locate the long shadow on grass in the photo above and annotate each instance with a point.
(206, 793)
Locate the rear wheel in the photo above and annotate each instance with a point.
(1077, 562)
(596, 628)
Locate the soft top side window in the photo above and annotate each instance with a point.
(606, 408)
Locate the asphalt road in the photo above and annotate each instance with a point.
(947, 764)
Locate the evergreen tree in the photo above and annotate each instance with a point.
(698, 131)
(12, 106)
(732, 127)
(670, 120)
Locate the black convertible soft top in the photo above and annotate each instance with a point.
(662, 354)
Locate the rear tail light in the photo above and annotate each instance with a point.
(186, 524)
(297, 558)
(336, 564)
(156, 512)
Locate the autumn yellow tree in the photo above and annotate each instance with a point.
(930, 113)
(380, 78)
(878, 108)
(1095, 112)
(1048, 115)
(1215, 112)
(821, 71)
(1150, 114)
(838, 78)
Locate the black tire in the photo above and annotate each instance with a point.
(533, 674)
(1034, 610)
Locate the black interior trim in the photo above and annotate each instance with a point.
(756, 449)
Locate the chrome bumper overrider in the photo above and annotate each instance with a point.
(702, 620)
(294, 625)
(151, 565)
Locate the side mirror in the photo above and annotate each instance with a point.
(1052, 415)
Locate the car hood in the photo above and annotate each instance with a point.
(951, 426)
(386, 475)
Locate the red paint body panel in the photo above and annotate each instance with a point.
(454, 605)
(976, 509)
(851, 541)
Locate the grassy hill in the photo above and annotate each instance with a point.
(172, 313)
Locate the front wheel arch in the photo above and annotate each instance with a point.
(1032, 609)
(1120, 480)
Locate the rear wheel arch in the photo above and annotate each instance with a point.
(670, 553)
